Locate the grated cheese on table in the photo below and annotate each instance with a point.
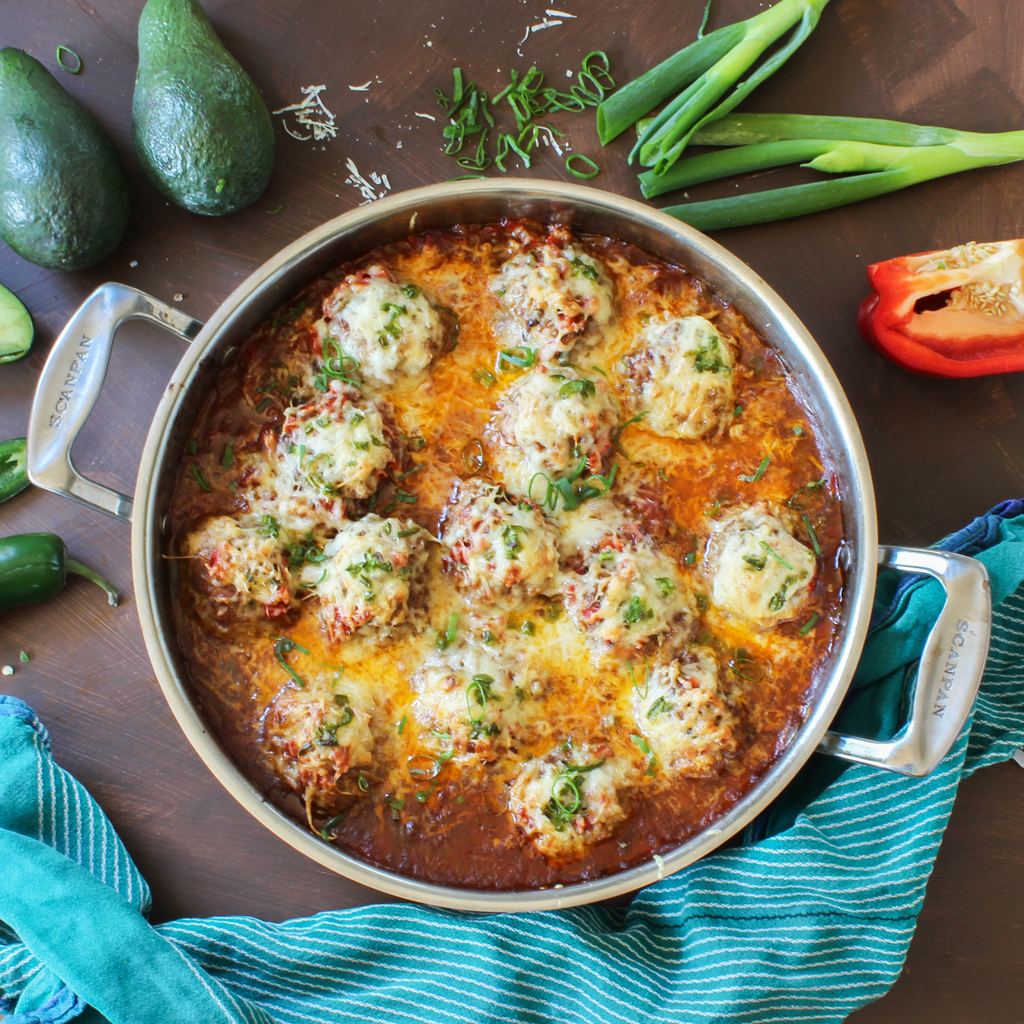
(311, 113)
(377, 187)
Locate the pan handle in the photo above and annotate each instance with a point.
(70, 384)
(949, 672)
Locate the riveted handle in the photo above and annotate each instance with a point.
(71, 382)
(949, 672)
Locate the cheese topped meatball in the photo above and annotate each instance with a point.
(618, 587)
(565, 802)
(474, 704)
(334, 447)
(689, 727)
(759, 570)
(240, 573)
(317, 735)
(390, 328)
(551, 296)
(499, 547)
(684, 369)
(556, 422)
(374, 567)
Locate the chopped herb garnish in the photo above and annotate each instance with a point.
(363, 784)
(262, 407)
(778, 600)
(798, 431)
(708, 358)
(738, 411)
(793, 501)
(809, 624)
(227, 460)
(660, 706)
(405, 496)
(579, 386)
(394, 804)
(76, 63)
(665, 585)
(778, 558)
(758, 473)
(703, 604)
(510, 535)
(757, 562)
(410, 531)
(618, 433)
(331, 826)
(410, 291)
(24, 658)
(193, 446)
(484, 377)
(583, 268)
(645, 749)
(745, 667)
(200, 478)
(408, 473)
(690, 558)
(401, 724)
(812, 535)
(528, 627)
(446, 639)
(522, 358)
(637, 611)
(284, 646)
(269, 527)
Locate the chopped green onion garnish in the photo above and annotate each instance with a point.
(200, 478)
(591, 171)
(446, 639)
(262, 406)
(227, 460)
(76, 63)
(24, 657)
(331, 826)
(778, 558)
(192, 446)
(484, 377)
(809, 624)
(813, 535)
(758, 473)
(284, 645)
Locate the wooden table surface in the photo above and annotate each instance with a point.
(941, 451)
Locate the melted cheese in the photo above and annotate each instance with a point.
(390, 329)
(760, 571)
(374, 566)
(552, 296)
(685, 369)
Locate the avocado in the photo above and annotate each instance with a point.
(64, 198)
(201, 128)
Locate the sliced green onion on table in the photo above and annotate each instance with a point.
(705, 71)
(878, 157)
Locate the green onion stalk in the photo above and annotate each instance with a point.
(877, 156)
(705, 71)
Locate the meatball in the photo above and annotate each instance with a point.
(240, 574)
(680, 712)
(551, 296)
(474, 705)
(619, 589)
(497, 546)
(374, 567)
(684, 369)
(336, 446)
(391, 329)
(555, 422)
(759, 570)
(564, 803)
(317, 735)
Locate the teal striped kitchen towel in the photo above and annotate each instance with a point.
(808, 921)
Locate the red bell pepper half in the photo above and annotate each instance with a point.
(953, 313)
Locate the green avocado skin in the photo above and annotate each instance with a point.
(202, 131)
(64, 198)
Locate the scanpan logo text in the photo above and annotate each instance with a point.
(949, 673)
(71, 381)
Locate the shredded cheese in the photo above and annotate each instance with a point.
(311, 113)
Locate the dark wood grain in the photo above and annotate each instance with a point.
(941, 451)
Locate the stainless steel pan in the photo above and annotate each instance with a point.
(955, 651)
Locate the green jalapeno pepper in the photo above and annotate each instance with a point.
(13, 475)
(34, 566)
